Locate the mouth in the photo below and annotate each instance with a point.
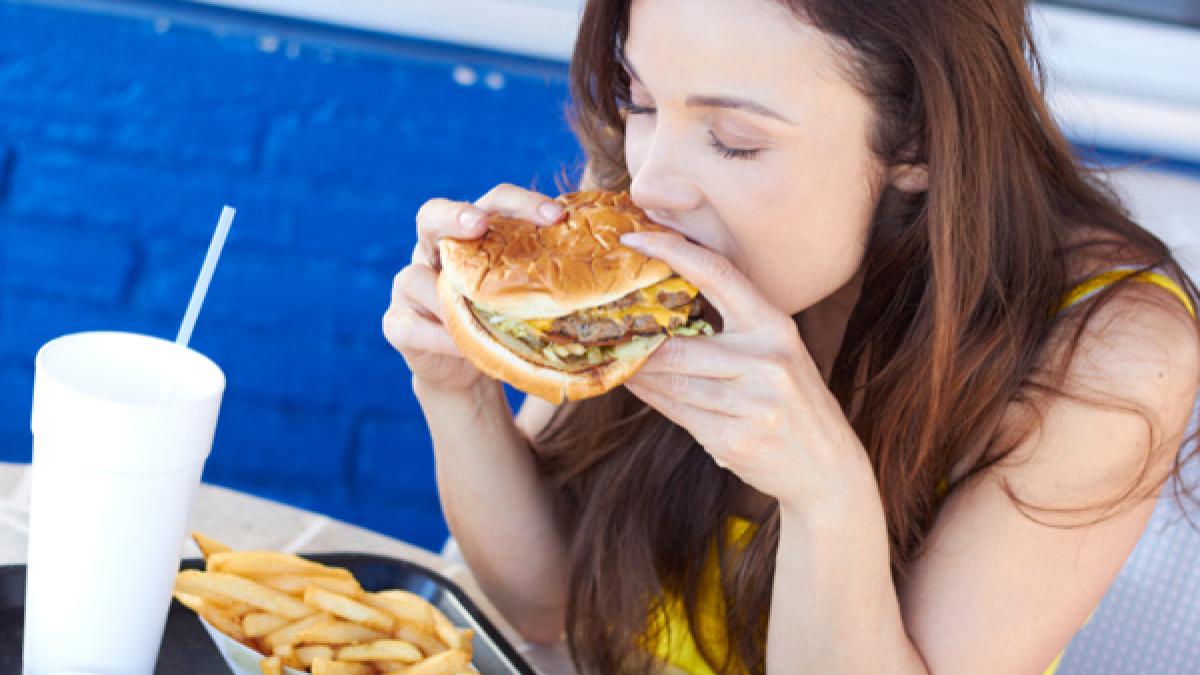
(673, 227)
(664, 222)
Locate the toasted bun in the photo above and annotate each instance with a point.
(528, 370)
(525, 271)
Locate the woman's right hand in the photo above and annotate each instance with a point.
(413, 322)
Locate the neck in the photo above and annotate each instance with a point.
(823, 325)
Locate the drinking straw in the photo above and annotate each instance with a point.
(206, 273)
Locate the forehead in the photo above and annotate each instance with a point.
(756, 48)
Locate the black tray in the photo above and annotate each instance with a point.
(187, 648)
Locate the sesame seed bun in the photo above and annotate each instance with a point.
(523, 271)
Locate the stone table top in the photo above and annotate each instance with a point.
(247, 522)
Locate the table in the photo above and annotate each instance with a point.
(244, 521)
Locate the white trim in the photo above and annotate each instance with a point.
(1127, 57)
(1121, 83)
(539, 28)
(1126, 123)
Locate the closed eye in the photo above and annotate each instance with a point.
(721, 149)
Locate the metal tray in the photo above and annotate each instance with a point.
(186, 648)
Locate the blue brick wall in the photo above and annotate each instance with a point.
(123, 130)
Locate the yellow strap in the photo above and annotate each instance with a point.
(1099, 281)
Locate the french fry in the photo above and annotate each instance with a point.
(258, 624)
(207, 596)
(317, 618)
(223, 622)
(212, 600)
(307, 653)
(335, 632)
(208, 545)
(287, 653)
(405, 606)
(190, 600)
(214, 613)
(294, 584)
(240, 588)
(446, 631)
(446, 663)
(290, 634)
(272, 665)
(232, 607)
(381, 650)
(258, 563)
(321, 666)
(427, 643)
(340, 605)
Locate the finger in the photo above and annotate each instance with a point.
(517, 202)
(410, 332)
(699, 423)
(419, 257)
(737, 300)
(711, 395)
(694, 355)
(416, 286)
(438, 218)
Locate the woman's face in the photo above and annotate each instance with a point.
(793, 214)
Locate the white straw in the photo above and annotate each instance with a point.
(206, 273)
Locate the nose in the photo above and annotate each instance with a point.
(661, 189)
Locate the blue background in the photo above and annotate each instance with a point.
(123, 131)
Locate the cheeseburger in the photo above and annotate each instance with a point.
(564, 311)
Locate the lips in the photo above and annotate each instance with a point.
(665, 222)
(673, 227)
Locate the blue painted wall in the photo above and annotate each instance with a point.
(123, 129)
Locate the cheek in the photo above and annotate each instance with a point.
(805, 246)
(639, 138)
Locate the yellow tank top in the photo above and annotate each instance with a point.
(676, 646)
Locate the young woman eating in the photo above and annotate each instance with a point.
(951, 379)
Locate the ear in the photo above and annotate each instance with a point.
(909, 177)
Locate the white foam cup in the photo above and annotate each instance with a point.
(122, 424)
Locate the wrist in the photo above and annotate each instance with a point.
(852, 494)
(468, 401)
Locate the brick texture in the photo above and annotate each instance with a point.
(121, 135)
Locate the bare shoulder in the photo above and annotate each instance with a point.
(1122, 404)
(1086, 473)
(1141, 343)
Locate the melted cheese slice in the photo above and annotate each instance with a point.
(647, 304)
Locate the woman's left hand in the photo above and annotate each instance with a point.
(751, 395)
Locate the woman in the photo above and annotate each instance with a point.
(951, 379)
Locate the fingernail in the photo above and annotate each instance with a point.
(468, 219)
(550, 211)
(633, 239)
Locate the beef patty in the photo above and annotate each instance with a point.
(587, 330)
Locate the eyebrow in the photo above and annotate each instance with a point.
(711, 101)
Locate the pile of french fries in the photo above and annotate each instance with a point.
(317, 619)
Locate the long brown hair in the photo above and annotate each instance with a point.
(951, 329)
